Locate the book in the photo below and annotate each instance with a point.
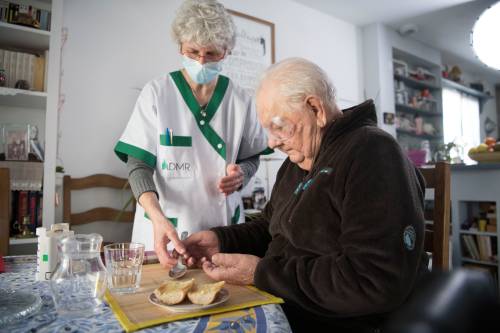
(22, 206)
(472, 246)
(38, 72)
(4, 10)
(39, 209)
(32, 209)
(14, 227)
(46, 71)
(484, 252)
(13, 13)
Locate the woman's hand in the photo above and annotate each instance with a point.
(164, 232)
(232, 268)
(233, 181)
(200, 246)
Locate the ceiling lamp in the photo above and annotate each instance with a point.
(484, 36)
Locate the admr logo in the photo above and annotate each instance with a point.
(176, 166)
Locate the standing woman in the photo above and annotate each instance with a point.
(193, 138)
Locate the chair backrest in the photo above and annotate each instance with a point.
(99, 213)
(437, 234)
(4, 210)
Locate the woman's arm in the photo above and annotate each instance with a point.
(144, 189)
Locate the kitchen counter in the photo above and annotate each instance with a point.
(478, 166)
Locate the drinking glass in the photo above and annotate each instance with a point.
(124, 266)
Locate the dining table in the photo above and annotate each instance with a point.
(19, 274)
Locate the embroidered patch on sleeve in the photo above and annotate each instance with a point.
(409, 237)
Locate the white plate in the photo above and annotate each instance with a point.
(187, 306)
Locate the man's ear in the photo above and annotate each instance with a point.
(318, 108)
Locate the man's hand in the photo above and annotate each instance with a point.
(232, 268)
(233, 181)
(164, 232)
(200, 246)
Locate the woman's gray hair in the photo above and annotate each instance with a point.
(206, 23)
(298, 78)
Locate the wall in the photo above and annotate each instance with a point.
(114, 47)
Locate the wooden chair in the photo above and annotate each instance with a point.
(99, 213)
(4, 210)
(437, 234)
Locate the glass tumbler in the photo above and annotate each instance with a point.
(124, 266)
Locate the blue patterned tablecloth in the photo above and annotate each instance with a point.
(20, 274)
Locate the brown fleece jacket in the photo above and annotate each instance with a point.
(344, 240)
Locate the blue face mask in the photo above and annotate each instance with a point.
(199, 73)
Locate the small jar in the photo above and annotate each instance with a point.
(78, 282)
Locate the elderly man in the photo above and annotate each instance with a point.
(341, 239)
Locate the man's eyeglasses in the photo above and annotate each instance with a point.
(209, 56)
(280, 129)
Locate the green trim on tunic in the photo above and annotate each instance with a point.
(171, 219)
(213, 105)
(123, 150)
(178, 141)
(236, 216)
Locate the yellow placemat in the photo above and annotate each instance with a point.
(134, 311)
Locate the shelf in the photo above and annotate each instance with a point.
(23, 98)
(413, 110)
(18, 241)
(416, 83)
(460, 87)
(18, 36)
(472, 261)
(479, 233)
(420, 136)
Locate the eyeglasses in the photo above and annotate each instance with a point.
(280, 129)
(209, 56)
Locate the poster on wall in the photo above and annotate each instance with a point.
(253, 52)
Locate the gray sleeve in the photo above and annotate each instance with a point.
(140, 177)
(249, 167)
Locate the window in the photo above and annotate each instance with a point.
(461, 120)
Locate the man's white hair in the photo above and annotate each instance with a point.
(297, 78)
(206, 23)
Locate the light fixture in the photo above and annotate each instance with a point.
(484, 37)
(408, 29)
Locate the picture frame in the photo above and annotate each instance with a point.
(254, 50)
(16, 142)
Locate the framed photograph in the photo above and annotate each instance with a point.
(388, 118)
(16, 142)
(253, 52)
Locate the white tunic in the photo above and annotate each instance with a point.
(189, 150)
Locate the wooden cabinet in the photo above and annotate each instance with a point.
(475, 197)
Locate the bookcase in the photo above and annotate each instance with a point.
(475, 215)
(418, 105)
(37, 105)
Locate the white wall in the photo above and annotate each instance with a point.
(114, 47)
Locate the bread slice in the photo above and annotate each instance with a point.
(204, 294)
(173, 292)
